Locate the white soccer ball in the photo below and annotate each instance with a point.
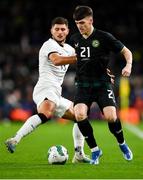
(57, 154)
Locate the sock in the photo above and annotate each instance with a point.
(28, 127)
(78, 139)
(122, 143)
(87, 131)
(95, 149)
(116, 129)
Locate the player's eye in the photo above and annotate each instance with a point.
(82, 22)
(63, 29)
(57, 29)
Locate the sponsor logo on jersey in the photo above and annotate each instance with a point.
(85, 59)
(76, 45)
(95, 43)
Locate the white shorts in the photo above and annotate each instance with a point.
(53, 94)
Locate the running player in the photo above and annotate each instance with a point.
(54, 58)
(93, 49)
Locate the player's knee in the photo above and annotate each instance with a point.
(47, 114)
(110, 114)
(110, 117)
(43, 117)
(47, 108)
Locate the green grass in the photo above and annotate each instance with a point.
(30, 159)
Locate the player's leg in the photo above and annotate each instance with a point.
(116, 129)
(65, 110)
(46, 101)
(45, 111)
(77, 135)
(87, 131)
(107, 104)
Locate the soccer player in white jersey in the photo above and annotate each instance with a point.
(54, 58)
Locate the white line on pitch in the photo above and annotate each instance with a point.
(135, 130)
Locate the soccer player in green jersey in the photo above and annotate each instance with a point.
(93, 84)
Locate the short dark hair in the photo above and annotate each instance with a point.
(59, 20)
(81, 12)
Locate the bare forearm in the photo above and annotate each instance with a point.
(63, 60)
(59, 60)
(127, 55)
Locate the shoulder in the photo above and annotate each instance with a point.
(49, 42)
(75, 36)
(48, 45)
(103, 33)
(106, 36)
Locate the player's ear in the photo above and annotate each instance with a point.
(68, 31)
(91, 20)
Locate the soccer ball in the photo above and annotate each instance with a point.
(57, 154)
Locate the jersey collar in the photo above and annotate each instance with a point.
(92, 32)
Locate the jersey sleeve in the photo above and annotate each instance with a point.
(73, 53)
(48, 48)
(113, 44)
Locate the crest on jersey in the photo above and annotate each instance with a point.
(95, 43)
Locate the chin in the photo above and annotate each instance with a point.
(82, 32)
(60, 40)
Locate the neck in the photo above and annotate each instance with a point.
(61, 43)
(88, 33)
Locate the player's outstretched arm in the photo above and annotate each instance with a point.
(59, 60)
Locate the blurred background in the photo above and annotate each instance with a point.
(25, 25)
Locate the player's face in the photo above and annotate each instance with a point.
(85, 25)
(59, 32)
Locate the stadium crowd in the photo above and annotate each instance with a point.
(24, 27)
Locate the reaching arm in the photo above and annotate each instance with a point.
(126, 71)
(59, 60)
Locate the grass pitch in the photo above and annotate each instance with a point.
(30, 159)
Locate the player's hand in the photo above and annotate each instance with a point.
(126, 71)
(112, 77)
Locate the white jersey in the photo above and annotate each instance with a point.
(48, 72)
(51, 77)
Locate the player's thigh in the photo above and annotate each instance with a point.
(47, 99)
(65, 109)
(105, 96)
(50, 92)
(107, 103)
(82, 102)
(83, 96)
(47, 108)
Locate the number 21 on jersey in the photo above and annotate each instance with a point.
(85, 52)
